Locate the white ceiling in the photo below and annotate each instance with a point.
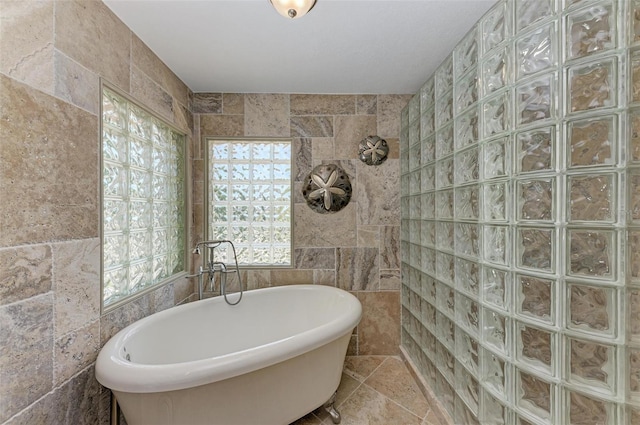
(341, 46)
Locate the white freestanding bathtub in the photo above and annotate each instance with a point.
(271, 359)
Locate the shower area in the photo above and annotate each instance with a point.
(520, 232)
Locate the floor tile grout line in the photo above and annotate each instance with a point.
(376, 369)
(395, 402)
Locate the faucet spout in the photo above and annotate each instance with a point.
(216, 267)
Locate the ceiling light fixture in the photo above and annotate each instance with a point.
(293, 8)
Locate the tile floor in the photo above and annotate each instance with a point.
(376, 390)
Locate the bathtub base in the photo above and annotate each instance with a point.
(330, 408)
(276, 395)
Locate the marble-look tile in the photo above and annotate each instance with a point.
(77, 284)
(390, 280)
(221, 125)
(162, 298)
(75, 351)
(301, 152)
(233, 103)
(322, 104)
(392, 379)
(48, 168)
(76, 84)
(26, 42)
(76, 402)
(322, 148)
(312, 229)
(357, 269)
(197, 144)
(361, 367)
(368, 236)
(349, 131)
(312, 126)
(379, 329)
(92, 35)
(315, 258)
(348, 385)
(298, 197)
(207, 103)
(267, 115)
(256, 279)
(24, 272)
(291, 277)
(121, 317)
(352, 348)
(149, 63)
(183, 119)
(394, 147)
(26, 363)
(150, 94)
(182, 289)
(366, 104)
(378, 195)
(390, 247)
(366, 406)
(324, 277)
(198, 192)
(389, 107)
(197, 170)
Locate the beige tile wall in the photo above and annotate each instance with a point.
(52, 55)
(356, 248)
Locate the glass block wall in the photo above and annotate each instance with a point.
(143, 197)
(520, 227)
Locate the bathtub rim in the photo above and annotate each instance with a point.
(114, 372)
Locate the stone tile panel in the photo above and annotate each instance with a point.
(389, 107)
(322, 104)
(291, 277)
(357, 269)
(312, 126)
(267, 115)
(349, 131)
(151, 95)
(324, 230)
(48, 168)
(24, 272)
(26, 364)
(76, 84)
(75, 351)
(379, 329)
(366, 104)
(221, 125)
(315, 258)
(378, 195)
(26, 42)
(77, 284)
(207, 103)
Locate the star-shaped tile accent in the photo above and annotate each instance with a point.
(374, 150)
(326, 189)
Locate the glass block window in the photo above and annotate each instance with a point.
(249, 199)
(143, 214)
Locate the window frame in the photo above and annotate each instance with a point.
(186, 199)
(208, 140)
